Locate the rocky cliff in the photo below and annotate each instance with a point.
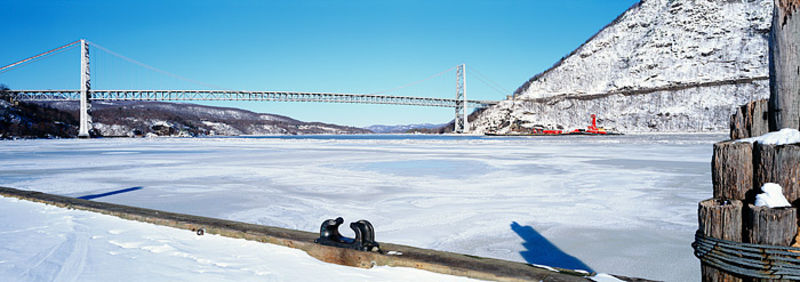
(663, 65)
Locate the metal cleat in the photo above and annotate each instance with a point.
(364, 241)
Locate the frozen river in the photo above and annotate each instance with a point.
(619, 204)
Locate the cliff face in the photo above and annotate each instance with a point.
(663, 65)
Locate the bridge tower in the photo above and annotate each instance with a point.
(461, 122)
(86, 84)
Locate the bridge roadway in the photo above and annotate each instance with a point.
(236, 95)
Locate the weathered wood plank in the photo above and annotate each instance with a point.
(732, 170)
(750, 120)
(784, 66)
(759, 117)
(764, 225)
(778, 164)
(721, 219)
(738, 123)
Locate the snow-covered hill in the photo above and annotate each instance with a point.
(23, 120)
(126, 118)
(663, 65)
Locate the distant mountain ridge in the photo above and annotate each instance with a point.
(134, 118)
(402, 128)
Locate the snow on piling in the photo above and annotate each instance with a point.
(772, 197)
(782, 137)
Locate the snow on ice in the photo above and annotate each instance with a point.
(617, 204)
(46, 243)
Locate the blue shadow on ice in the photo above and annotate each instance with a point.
(540, 251)
(95, 196)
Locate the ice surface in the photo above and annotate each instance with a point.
(772, 196)
(782, 137)
(618, 204)
(46, 243)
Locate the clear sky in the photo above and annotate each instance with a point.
(320, 46)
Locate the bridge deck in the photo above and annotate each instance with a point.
(235, 95)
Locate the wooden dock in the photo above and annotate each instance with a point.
(425, 259)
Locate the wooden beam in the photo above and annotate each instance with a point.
(750, 120)
(732, 170)
(784, 66)
(768, 226)
(425, 259)
(721, 219)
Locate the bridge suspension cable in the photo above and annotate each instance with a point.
(86, 94)
(100, 47)
(414, 82)
(491, 83)
(39, 56)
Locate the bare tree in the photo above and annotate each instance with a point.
(4, 94)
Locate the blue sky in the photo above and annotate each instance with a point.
(331, 46)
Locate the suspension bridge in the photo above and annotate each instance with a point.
(86, 94)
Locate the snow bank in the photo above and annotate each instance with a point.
(772, 196)
(782, 137)
(46, 243)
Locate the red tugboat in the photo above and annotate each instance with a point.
(590, 130)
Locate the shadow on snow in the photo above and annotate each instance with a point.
(95, 196)
(540, 251)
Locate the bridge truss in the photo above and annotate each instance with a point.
(237, 95)
(86, 95)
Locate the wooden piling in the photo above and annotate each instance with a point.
(750, 120)
(740, 169)
(759, 117)
(738, 124)
(732, 170)
(784, 66)
(771, 226)
(721, 219)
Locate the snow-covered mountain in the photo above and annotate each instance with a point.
(663, 65)
(127, 118)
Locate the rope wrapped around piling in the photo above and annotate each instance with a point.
(750, 260)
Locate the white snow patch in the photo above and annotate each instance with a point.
(782, 137)
(545, 267)
(772, 196)
(603, 277)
